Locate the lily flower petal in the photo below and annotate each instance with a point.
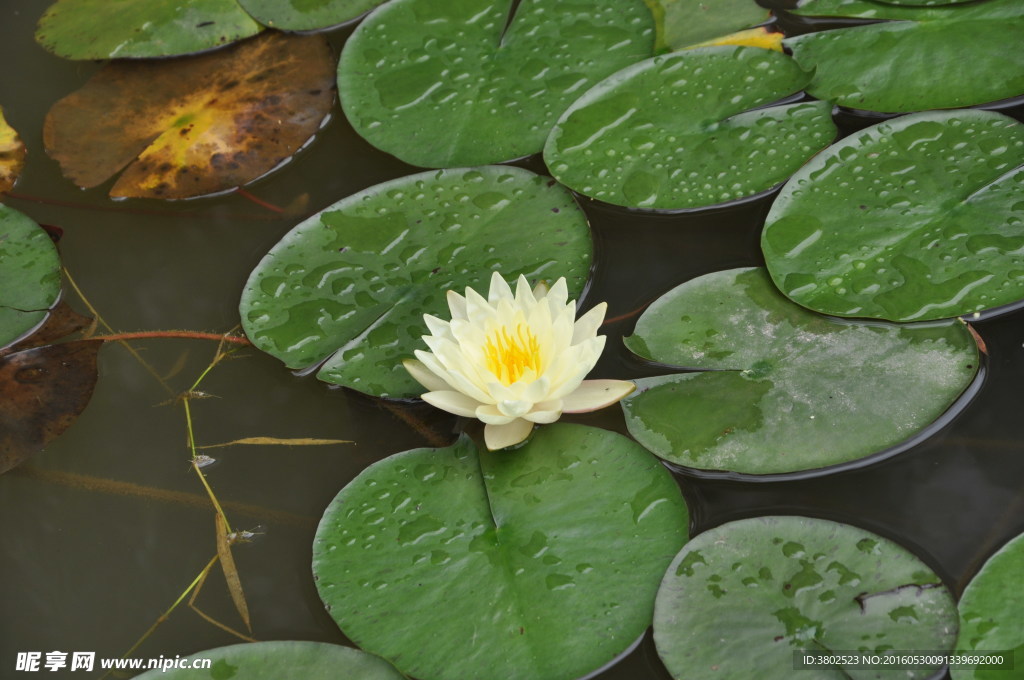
(543, 417)
(558, 296)
(477, 306)
(587, 325)
(489, 413)
(424, 376)
(592, 395)
(502, 436)
(452, 402)
(437, 326)
(516, 408)
(514, 359)
(499, 289)
(525, 296)
(457, 305)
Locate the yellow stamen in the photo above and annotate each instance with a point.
(508, 356)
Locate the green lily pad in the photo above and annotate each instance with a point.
(630, 141)
(781, 388)
(29, 275)
(870, 9)
(926, 3)
(740, 599)
(443, 84)
(355, 280)
(912, 219)
(105, 29)
(306, 15)
(541, 562)
(280, 659)
(904, 66)
(682, 23)
(990, 613)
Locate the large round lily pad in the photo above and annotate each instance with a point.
(740, 599)
(280, 659)
(29, 275)
(916, 218)
(355, 280)
(924, 3)
(443, 84)
(991, 614)
(539, 563)
(781, 388)
(194, 126)
(682, 23)
(12, 155)
(870, 9)
(689, 130)
(903, 66)
(306, 15)
(108, 29)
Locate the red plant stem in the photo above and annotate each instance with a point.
(627, 315)
(258, 201)
(195, 335)
(433, 437)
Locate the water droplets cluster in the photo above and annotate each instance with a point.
(345, 291)
(481, 87)
(908, 220)
(689, 130)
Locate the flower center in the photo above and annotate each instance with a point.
(509, 355)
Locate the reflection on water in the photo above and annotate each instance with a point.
(103, 530)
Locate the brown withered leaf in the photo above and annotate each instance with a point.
(44, 387)
(195, 125)
(12, 155)
(43, 390)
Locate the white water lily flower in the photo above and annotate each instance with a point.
(514, 360)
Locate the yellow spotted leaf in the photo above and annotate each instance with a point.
(753, 37)
(12, 155)
(195, 125)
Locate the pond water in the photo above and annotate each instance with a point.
(104, 529)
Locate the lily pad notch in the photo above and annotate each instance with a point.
(782, 391)
(345, 291)
(689, 130)
(742, 599)
(30, 275)
(441, 84)
(914, 219)
(459, 563)
(942, 58)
